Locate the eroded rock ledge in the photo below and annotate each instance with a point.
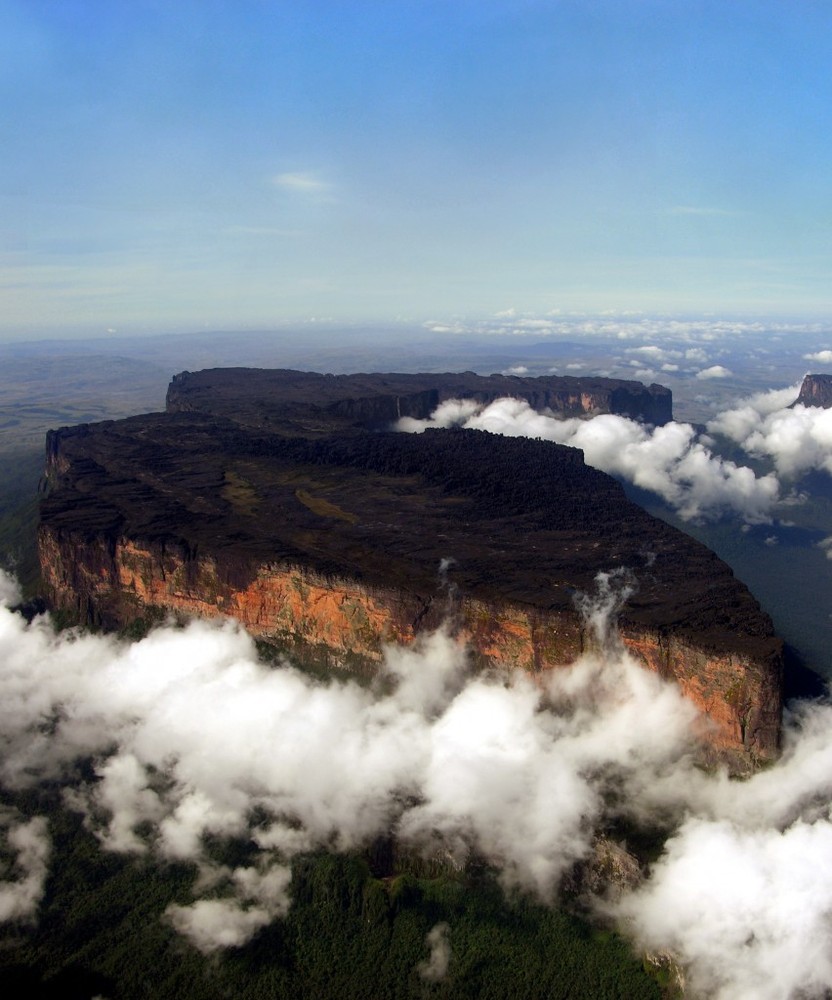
(330, 542)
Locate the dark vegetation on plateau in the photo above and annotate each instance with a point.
(526, 521)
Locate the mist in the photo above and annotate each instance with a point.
(190, 735)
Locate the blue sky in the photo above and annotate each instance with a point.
(178, 164)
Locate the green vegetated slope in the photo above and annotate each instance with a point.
(348, 934)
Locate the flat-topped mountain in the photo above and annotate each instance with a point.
(328, 538)
(309, 402)
(816, 390)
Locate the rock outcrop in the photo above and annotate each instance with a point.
(816, 390)
(329, 543)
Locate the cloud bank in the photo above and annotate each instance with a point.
(192, 735)
(671, 461)
(675, 461)
(797, 439)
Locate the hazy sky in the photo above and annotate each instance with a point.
(179, 163)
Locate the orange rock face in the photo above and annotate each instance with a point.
(348, 623)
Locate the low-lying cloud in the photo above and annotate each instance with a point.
(676, 461)
(797, 439)
(191, 735)
(671, 461)
(435, 968)
(715, 371)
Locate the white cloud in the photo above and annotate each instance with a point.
(522, 771)
(670, 460)
(748, 910)
(715, 371)
(823, 357)
(826, 545)
(435, 968)
(302, 183)
(797, 439)
(653, 352)
(492, 764)
(30, 843)
(536, 324)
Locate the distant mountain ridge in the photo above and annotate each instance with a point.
(256, 396)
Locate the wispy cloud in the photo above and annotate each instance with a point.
(308, 183)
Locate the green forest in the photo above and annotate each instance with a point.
(350, 933)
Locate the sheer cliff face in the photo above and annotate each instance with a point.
(816, 390)
(330, 545)
(345, 622)
(255, 396)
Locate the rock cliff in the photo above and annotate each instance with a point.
(816, 390)
(329, 542)
(319, 402)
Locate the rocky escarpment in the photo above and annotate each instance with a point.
(316, 403)
(816, 390)
(331, 543)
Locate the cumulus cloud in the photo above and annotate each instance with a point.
(29, 841)
(670, 461)
(738, 905)
(822, 357)
(192, 735)
(796, 438)
(715, 371)
(652, 352)
(743, 891)
(259, 898)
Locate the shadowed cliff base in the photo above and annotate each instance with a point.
(294, 519)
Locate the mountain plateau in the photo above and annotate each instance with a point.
(284, 500)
